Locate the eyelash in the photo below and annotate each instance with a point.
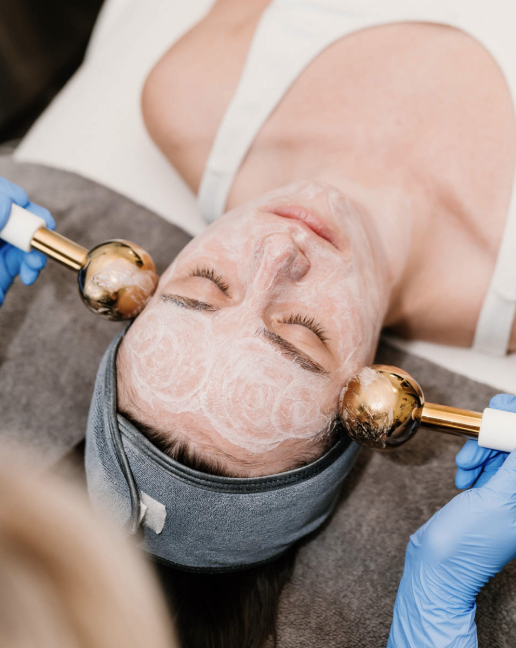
(208, 273)
(309, 323)
(300, 320)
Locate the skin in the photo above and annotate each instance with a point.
(211, 358)
(414, 122)
(391, 119)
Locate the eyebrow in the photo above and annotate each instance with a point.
(189, 303)
(299, 357)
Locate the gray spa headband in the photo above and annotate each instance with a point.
(193, 520)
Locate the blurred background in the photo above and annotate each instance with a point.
(42, 43)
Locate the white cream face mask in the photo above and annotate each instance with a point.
(216, 368)
(183, 363)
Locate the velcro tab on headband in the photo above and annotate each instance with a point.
(152, 513)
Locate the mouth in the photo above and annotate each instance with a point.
(311, 219)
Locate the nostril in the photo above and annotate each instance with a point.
(279, 256)
(280, 247)
(300, 266)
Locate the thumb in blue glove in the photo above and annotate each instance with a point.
(14, 262)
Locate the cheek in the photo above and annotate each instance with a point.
(337, 299)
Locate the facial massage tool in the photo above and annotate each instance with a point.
(383, 407)
(116, 278)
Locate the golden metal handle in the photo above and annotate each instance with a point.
(383, 407)
(60, 248)
(451, 420)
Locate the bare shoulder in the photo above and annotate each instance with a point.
(187, 92)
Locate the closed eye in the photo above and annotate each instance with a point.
(309, 323)
(209, 273)
(299, 357)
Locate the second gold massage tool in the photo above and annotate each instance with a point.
(383, 407)
(116, 278)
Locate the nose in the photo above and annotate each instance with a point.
(278, 259)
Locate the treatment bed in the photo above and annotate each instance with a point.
(89, 160)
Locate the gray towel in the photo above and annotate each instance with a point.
(50, 344)
(346, 577)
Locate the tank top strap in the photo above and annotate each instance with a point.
(496, 319)
(286, 40)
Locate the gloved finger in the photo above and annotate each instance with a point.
(491, 468)
(40, 211)
(472, 455)
(466, 478)
(2, 296)
(5, 276)
(35, 260)
(476, 465)
(503, 482)
(14, 192)
(28, 275)
(472, 461)
(505, 402)
(13, 259)
(5, 209)
(479, 476)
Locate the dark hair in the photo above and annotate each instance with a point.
(224, 610)
(233, 610)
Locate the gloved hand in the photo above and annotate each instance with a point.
(12, 260)
(476, 465)
(450, 558)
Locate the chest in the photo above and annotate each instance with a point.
(373, 104)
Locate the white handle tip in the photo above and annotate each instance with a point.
(21, 227)
(498, 430)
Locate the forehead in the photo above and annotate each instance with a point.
(241, 388)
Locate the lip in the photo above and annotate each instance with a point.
(311, 219)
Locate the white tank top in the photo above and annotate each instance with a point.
(290, 34)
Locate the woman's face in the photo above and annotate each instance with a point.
(254, 330)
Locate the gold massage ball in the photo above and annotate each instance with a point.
(381, 407)
(117, 279)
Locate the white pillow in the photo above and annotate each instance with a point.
(94, 126)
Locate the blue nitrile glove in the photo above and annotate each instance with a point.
(12, 260)
(449, 560)
(476, 465)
